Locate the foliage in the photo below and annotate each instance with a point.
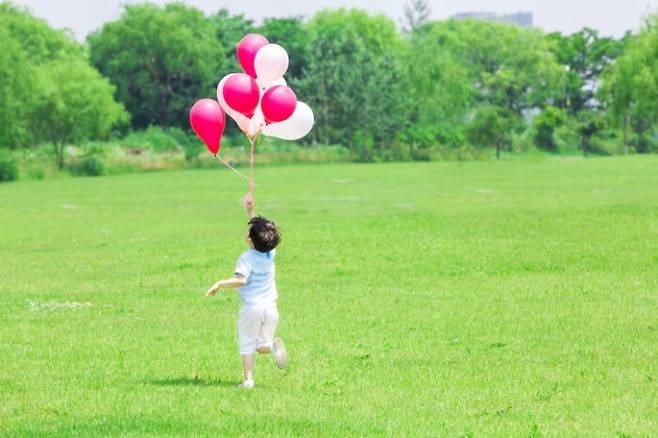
(160, 59)
(8, 167)
(510, 67)
(291, 33)
(491, 126)
(75, 104)
(632, 86)
(585, 55)
(88, 166)
(363, 107)
(27, 42)
(440, 93)
(416, 15)
(229, 30)
(545, 124)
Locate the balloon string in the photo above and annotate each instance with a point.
(231, 167)
(252, 140)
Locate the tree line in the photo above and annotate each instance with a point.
(382, 90)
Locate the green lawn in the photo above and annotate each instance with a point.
(441, 299)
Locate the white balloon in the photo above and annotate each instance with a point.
(262, 86)
(271, 63)
(295, 127)
(240, 119)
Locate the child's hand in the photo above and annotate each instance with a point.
(248, 203)
(213, 290)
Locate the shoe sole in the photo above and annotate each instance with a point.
(280, 357)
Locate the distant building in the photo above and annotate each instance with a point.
(523, 19)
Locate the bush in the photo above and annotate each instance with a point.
(8, 167)
(545, 124)
(154, 138)
(90, 166)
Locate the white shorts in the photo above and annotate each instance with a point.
(256, 326)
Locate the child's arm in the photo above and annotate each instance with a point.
(248, 202)
(229, 283)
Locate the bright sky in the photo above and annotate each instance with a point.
(611, 17)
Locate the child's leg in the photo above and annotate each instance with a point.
(248, 366)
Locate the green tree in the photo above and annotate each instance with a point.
(75, 104)
(229, 30)
(586, 55)
(440, 91)
(416, 15)
(510, 67)
(292, 35)
(26, 43)
(40, 42)
(353, 80)
(160, 59)
(16, 92)
(545, 124)
(631, 86)
(491, 126)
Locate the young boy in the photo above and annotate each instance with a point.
(254, 279)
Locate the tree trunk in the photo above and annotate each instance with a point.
(497, 151)
(585, 141)
(59, 155)
(625, 135)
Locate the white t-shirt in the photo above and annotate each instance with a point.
(258, 268)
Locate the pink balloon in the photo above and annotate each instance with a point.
(207, 120)
(278, 104)
(248, 46)
(241, 93)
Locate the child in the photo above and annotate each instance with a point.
(254, 279)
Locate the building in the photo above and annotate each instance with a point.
(523, 19)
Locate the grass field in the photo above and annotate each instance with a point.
(439, 299)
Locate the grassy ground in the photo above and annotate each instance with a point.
(438, 299)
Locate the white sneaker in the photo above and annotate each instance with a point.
(279, 353)
(247, 384)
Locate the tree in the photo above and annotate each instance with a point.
(586, 55)
(16, 96)
(491, 125)
(26, 43)
(441, 93)
(545, 124)
(353, 80)
(75, 104)
(588, 123)
(291, 33)
(160, 59)
(229, 30)
(416, 14)
(509, 66)
(631, 86)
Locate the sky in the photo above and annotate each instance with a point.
(610, 17)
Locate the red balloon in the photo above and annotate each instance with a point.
(247, 49)
(278, 104)
(241, 93)
(207, 120)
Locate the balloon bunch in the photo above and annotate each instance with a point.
(258, 100)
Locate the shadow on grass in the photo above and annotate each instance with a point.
(188, 381)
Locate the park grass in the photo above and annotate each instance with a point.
(427, 299)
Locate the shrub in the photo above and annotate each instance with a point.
(8, 168)
(154, 138)
(90, 166)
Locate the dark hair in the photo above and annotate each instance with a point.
(263, 234)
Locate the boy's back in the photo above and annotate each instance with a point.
(259, 270)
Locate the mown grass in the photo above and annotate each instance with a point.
(428, 299)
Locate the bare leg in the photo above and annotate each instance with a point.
(248, 366)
